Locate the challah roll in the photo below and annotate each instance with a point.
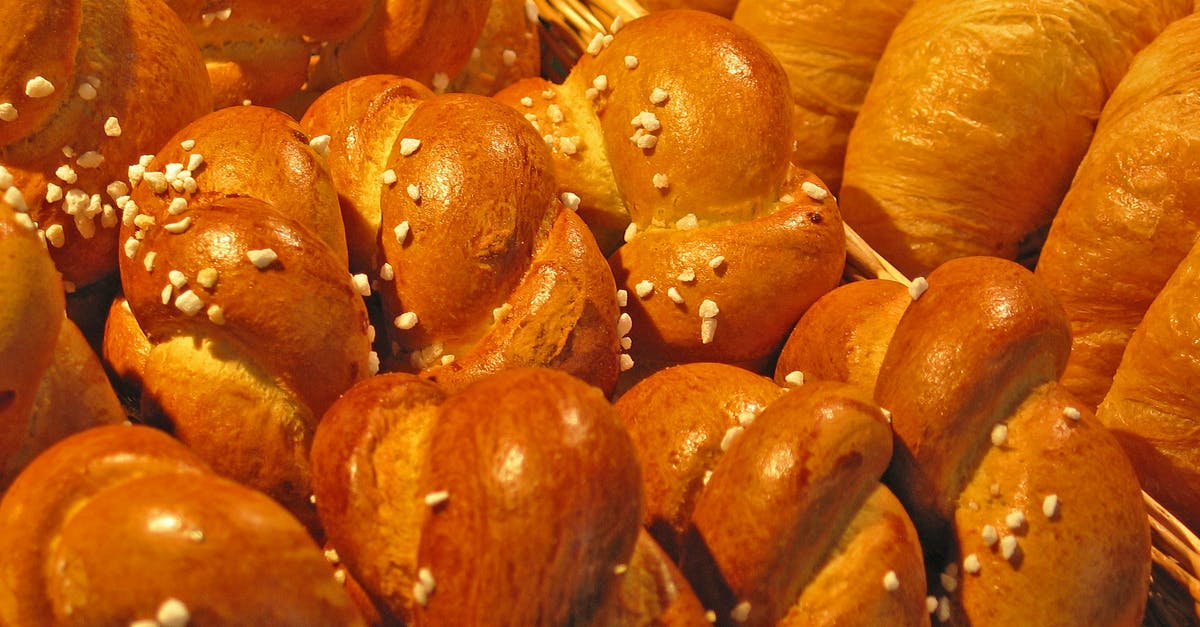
(771, 501)
(120, 524)
(84, 89)
(1028, 509)
(259, 50)
(1131, 214)
(479, 265)
(511, 502)
(235, 269)
(51, 383)
(1153, 407)
(978, 116)
(644, 134)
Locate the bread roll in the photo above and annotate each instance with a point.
(978, 115)
(1028, 509)
(508, 49)
(121, 523)
(510, 502)
(84, 89)
(1131, 215)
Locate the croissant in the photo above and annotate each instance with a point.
(82, 94)
(512, 502)
(829, 69)
(642, 133)
(1130, 216)
(1029, 511)
(1152, 406)
(235, 271)
(119, 524)
(51, 383)
(770, 499)
(977, 117)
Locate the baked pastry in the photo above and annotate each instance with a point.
(510, 502)
(1152, 406)
(698, 246)
(1130, 216)
(234, 266)
(121, 524)
(829, 68)
(723, 8)
(484, 273)
(508, 49)
(258, 51)
(1028, 509)
(960, 148)
(75, 112)
(52, 384)
(427, 40)
(771, 500)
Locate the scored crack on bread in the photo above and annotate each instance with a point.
(120, 524)
(51, 383)
(75, 113)
(235, 270)
(771, 499)
(478, 265)
(1152, 407)
(258, 51)
(977, 117)
(644, 136)
(1028, 509)
(510, 502)
(1131, 214)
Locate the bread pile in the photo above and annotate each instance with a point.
(404, 333)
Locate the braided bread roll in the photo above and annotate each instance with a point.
(960, 147)
(259, 50)
(508, 49)
(1152, 406)
(239, 283)
(75, 112)
(643, 132)
(1025, 503)
(428, 40)
(121, 523)
(486, 273)
(770, 499)
(829, 69)
(513, 499)
(1130, 216)
(51, 383)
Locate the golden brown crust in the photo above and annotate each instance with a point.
(545, 500)
(261, 326)
(829, 68)
(258, 50)
(1152, 405)
(844, 335)
(646, 153)
(427, 40)
(508, 50)
(69, 521)
(720, 7)
(652, 591)
(83, 49)
(1129, 217)
(363, 118)
(125, 348)
(984, 431)
(518, 495)
(678, 418)
(956, 150)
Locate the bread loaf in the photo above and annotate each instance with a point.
(977, 118)
(1130, 216)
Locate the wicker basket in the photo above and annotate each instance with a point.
(1174, 600)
